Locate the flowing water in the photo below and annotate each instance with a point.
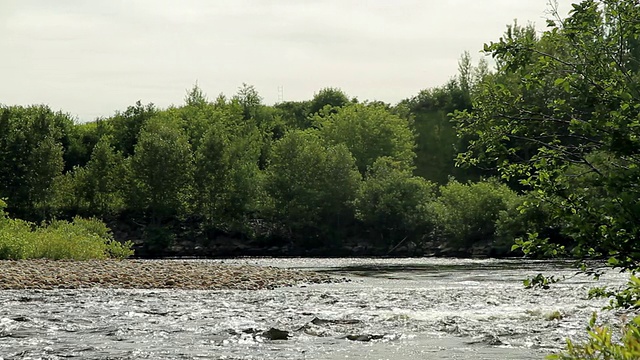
(391, 309)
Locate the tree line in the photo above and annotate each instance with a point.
(318, 174)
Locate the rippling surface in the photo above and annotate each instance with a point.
(391, 309)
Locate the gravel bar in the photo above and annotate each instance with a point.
(149, 274)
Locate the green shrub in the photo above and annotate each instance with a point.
(600, 344)
(393, 203)
(466, 214)
(81, 239)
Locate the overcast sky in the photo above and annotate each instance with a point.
(91, 58)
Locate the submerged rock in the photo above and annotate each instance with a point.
(487, 340)
(318, 321)
(275, 334)
(364, 337)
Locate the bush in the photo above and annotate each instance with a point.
(393, 203)
(81, 239)
(466, 214)
(600, 345)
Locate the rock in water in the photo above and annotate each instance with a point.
(488, 339)
(318, 321)
(365, 337)
(275, 334)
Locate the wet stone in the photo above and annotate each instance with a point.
(275, 334)
(364, 338)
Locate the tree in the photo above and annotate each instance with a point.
(101, 179)
(249, 99)
(295, 114)
(333, 97)
(312, 184)
(196, 97)
(562, 116)
(126, 126)
(469, 214)
(394, 204)
(369, 132)
(31, 157)
(161, 169)
(227, 176)
(46, 164)
(436, 139)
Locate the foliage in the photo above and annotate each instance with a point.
(100, 181)
(562, 117)
(125, 126)
(228, 180)
(81, 239)
(249, 100)
(295, 114)
(312, 184)
(629, 297)
(393, 203)
(569, 130)
(601, 344)
(436, 138)
(369, 132)
(31, 157)
(331, 98)
(315, 173)
(466, 214)
(161, 169)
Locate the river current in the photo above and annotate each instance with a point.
(390, 309)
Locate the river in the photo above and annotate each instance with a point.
(390, 309)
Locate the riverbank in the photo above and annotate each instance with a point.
(149, 274)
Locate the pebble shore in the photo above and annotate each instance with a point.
(149, 274)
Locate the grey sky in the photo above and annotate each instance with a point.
(91, 58)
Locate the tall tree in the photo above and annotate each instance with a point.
(332, 97)
(126, 126)
(161, 169)
(393, 204)
(369, 132)
(101, 181)
(227, 175)
(312, 184)
(31, 157)
(562, 115)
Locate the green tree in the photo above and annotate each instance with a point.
(295, 114)
(572, 118)
(369, 132)
(469, 214)
(437, 141)
(31, 157)
(249, 99)
(126, 126)
(312, 185)
(101, 180)
(46, 164)
(332, 97)
(394, 204)
(161, 169)
(228, 180)
(79, 143)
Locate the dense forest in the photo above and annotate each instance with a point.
(331, 175)
(535, 149)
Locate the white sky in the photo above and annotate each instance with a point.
(91, 58)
